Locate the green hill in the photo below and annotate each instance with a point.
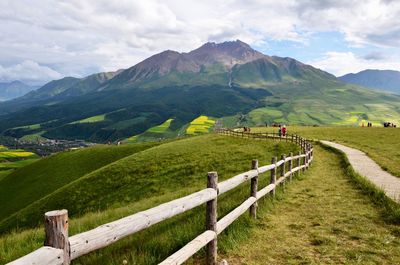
(163, 169)
(39, 179)
(138, 182)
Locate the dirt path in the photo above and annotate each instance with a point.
(320, 219)
(366, 167)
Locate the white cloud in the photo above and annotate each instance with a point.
(29, 72)
(78, 37)
(341, 63)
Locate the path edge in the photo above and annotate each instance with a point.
(390, 210)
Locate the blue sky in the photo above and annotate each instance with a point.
(42, 40)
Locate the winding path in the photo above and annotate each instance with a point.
(366, 167)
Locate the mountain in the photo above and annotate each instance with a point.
(57, 91)
(229, 82)
(387, 80)
(14, 89)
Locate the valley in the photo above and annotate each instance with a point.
(225, 81)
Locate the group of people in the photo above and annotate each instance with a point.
(369, 124)
(246, 129)
(282, 131)
(389, 124)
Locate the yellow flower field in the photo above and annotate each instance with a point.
(202, 124)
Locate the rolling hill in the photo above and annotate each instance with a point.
(122, 175)
(137, 182)
(227, 81)
(387, 80)
(24, 186)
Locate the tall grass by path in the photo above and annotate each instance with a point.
(381, 144)
(173, 170)
(325, 217)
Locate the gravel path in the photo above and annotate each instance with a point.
(366, 167)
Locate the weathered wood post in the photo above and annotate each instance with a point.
(56, 229)
(254, 189)
(273, 175)
(290, 166)
(306, 159)
(211, 219)
(299, 164)
(283, 169)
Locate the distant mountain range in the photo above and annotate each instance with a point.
(387, 80)
(229, 81)
(14, 89)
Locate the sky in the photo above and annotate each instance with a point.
(43, 40)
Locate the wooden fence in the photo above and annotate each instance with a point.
(61, 249)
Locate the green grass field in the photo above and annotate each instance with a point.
(143, 180)
(36, 180)
(155, 133)
(326, 216)
(161, 128)
(92, 119)
(12, 159)
(34, 137)
(381, 144)
(322, 218)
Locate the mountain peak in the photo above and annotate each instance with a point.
(228, 53)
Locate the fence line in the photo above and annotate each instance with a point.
(61, 249)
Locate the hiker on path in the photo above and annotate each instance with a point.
(284, 131)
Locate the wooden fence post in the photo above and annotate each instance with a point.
(273, 175)
(56, 229)
(254, 189)
(283, 168)
(211, 219)
(305, 160)
(291, 166)
(299, 164)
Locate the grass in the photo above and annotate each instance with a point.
(17, 164)
(12, 159)
(156, 133)
(325, 217)
(29, 127)
(146, 179)
(202, 124)
(92, 119)
(381, 144)
(161, 128)
(35, 137)
(36, 180)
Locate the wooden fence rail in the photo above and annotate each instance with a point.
(61, 249)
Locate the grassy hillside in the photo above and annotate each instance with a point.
(12, 159)
(324, 103)
(321, 219)
(381, 144)
(143, 180)
(32, 182)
